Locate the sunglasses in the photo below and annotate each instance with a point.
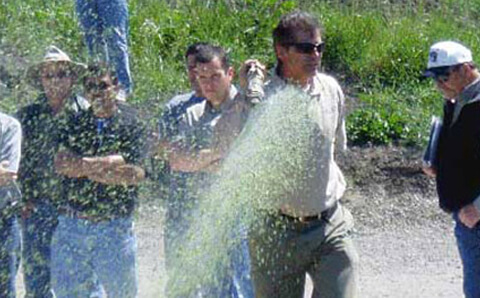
(443, 73)
(56, 75)
(307, 47)
(97, 87)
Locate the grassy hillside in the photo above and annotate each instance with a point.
(377, 49)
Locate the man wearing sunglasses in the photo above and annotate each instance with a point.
(100, 162)
(55, 77)
(310, 231)
(457, 173)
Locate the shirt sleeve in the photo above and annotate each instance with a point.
(341, 133)
(11, 144)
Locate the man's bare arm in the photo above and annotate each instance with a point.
(126, 174)
(73, 166)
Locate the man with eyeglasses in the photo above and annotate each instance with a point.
(54, 77)
(100, 161)
(310, 231)
(457, 174)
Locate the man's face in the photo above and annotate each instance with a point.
(101, 92)
(57, 80)
(214, 81)
(451, 83)
(192, 75)
(301, 59)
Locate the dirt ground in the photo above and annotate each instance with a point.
(405, 242)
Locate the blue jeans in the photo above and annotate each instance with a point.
(103, 252)
(37, 232)
(468, 242)
(181, 207)
(105, 23)
(9, 253)
(242, 286)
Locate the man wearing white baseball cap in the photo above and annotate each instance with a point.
(457, 172)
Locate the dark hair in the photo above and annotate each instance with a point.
(99, 69)
(292, 23)
(207, 52)
(193, 48)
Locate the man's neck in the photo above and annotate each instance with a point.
(300, 81)
(56, 105)
(105, 113)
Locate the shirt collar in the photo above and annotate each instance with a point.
(470, 93)
(228, 102)
(312, 88)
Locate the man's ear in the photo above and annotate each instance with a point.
(231, 72)
(116, 84)
(280, 52)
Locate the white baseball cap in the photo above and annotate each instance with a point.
(447, 53)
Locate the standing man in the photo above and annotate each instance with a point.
(105, 23)
(55, 77)
(10, 141)
(204, 131)
(451, 66)
(311, 231)
(100, 161)
(169, 126)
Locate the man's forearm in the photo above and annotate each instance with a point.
(70, 166)
(193, 161)
(126, 174)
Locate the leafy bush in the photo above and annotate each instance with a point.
(378, 49)
(394, 116)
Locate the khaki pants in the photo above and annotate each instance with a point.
(283, 250)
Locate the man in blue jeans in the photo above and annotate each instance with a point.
(10, 140)
(456, 77)
(100, 161)
(105, 23)
(55, 77)
(196, 133)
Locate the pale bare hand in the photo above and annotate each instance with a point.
(6, 176)
(469, 215)
(244, 70)
(429, 171)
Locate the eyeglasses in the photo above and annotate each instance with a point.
(442, 74)
(307, 47)
(97, 87)
(56, 75)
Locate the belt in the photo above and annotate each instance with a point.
(325, 215)
(69, 212)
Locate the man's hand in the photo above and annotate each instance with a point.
(244, 71)
(6, 176)
(27, 210)
(429, 171)
(469, 215)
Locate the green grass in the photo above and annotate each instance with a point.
(376, 49)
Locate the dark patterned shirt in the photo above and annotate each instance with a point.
(90, 136)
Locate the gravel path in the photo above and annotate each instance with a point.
(405, 242)
(418, 261)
